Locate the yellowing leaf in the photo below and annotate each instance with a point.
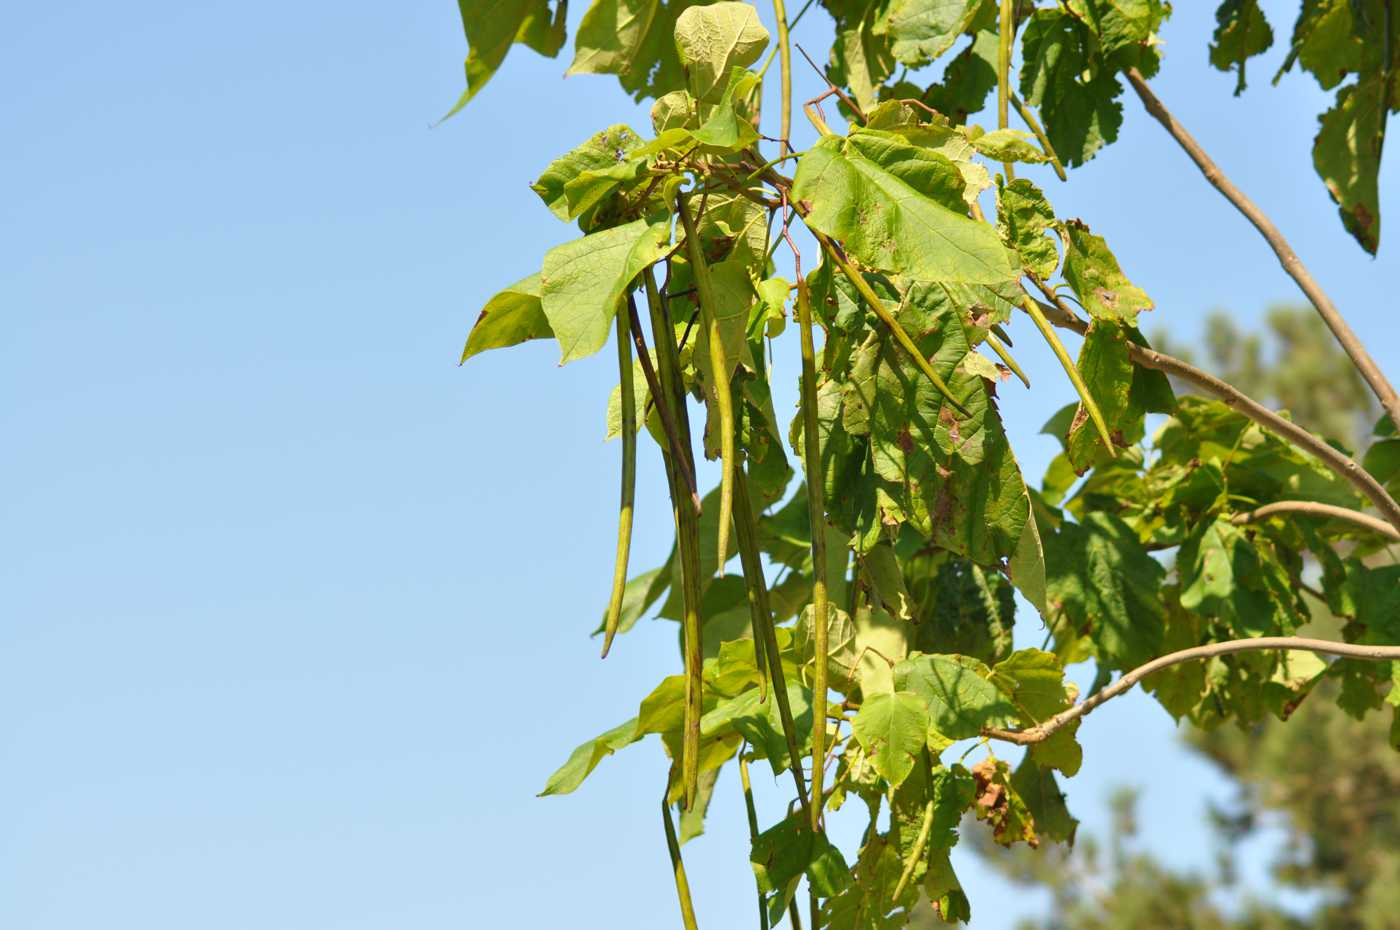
(510, 318)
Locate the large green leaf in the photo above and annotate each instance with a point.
(1103, 583)
(788, 850)
(582, 282)
(861, 58)
(585, 758)
(492, 26)
(1080, 105)
(922, 30)
(711, 40)
(961, 699)
(634, 40)
(889, 225)
(510, 318)
(893, 728)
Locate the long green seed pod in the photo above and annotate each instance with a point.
(719, 366)
(916, 853)
(816, 507)
(747, 536)
(629, 477)
(875, 303)
(754, 582)
(1006, 32)
(673, 846)
(1041, 323)
(1005, 355)
(753, 831)
(687, 538)
(663, 410)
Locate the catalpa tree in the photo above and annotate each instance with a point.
(863, 644)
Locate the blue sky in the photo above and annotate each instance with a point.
(295, 611)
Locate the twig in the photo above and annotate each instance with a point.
(629, 476)
(833, 86)
(1312, 509)
(1045, 729)
(1232, 397)
(1286, 256)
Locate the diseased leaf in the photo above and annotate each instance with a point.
(604, 151)
(511, 317)
(1098, 282)
(1001, 806)
(1023, 218)
(1347, 155)
(893, 727)
(889, 225)
(1009, 145)
(583, 280)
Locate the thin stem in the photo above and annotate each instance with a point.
(801, 13)
(678, 867)
(1041, 323)
(1006, 23)
(719, 370)
(747, 536)
(629, 478)
(753, 830)
(687, 542)
(1383, 389)
(1005, 355)
(657, 390)
(876, 304)
(1309, 508)
(1044, 730)
(916, 853)
(816, 508)
(1040, 135)
(785, 50)
(1233, 398)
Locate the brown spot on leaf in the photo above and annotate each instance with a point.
(906, 441)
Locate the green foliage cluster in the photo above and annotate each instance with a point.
(881, 648)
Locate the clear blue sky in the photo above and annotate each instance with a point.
(293, 611)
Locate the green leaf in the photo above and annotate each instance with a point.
(1110, 376)
(492, 28)
(889, 225)
(1241, 32)
(1023, 218)
(861, 58)
(758, 722)
(960, 698)
(634, 40)
(1042, 796)
(1235, 574)
(511, 317)
(893, 727)
(922, 30)
(605, 151)
(963, 608)
(1098, 282)
(1079, 104)
(788, 850)
(1347, 155)
(582, 282)
(711, 40)
(927, 170)
(641, 592)
(1035, 682)
(585, 758)
(1103, 583)
(969, 78)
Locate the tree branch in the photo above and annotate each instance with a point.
(1329, 511)
(1286, 256)
(1341, 464)
(1044, 730)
